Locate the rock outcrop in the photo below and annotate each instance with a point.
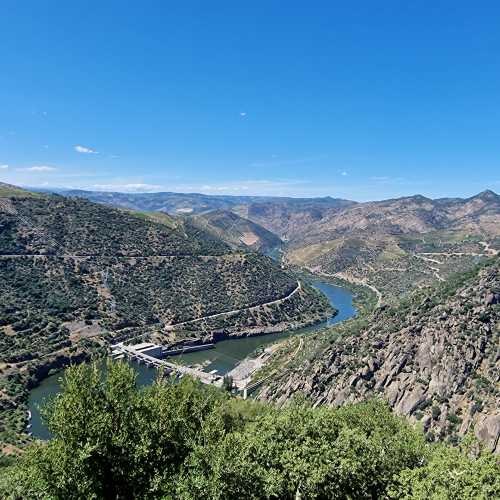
(434, 357)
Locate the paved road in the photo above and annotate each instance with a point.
(235, 311)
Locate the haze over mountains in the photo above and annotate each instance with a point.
(185, 203)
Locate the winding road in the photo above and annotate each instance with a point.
(235, 311)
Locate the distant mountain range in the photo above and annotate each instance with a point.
(382, 243)
(393, 245)
(187, 203)
(413, 214)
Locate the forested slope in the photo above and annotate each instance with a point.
(77, 275)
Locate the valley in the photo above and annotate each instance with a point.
(250, 251)
(78, 277)
(184, 280)
(224, 357)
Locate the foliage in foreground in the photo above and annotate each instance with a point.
(114, 440)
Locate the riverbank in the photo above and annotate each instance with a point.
(225, 355)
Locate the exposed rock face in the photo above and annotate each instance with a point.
(434, 358)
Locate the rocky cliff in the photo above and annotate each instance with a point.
(434, 357)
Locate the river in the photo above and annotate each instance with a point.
(225, 356)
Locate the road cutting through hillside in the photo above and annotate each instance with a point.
(235, 311)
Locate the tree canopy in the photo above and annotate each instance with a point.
(182, 440)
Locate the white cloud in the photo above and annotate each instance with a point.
(344, 173)
(40, 168)
(84, 149)
(4, 167)
(263, 187)
(128, 188)
(243, 113)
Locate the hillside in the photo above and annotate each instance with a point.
(433, 357)
(410, 215)
(288, 217)
(397, 245)
(193, 203)
(237, 231)
(77, 275)
(10, 190)
(122, 269)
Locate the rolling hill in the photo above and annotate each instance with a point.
(77, 276)
(237, 231)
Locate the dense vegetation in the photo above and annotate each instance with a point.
(76, 276)
(72, 226)
(183, 441)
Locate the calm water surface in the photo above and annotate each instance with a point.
(226, 355)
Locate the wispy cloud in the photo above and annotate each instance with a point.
(4, 167)
(40, 168)
(344, 173)
(243, 114)
(265, 187)
(129, 188)
(85, 150)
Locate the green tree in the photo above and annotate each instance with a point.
(304, 452)
(451, 474)
(112, 440)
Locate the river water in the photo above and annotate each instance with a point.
(224, 357)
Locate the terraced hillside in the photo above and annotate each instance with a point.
(433, 356)
(395, 246)
(77, 275)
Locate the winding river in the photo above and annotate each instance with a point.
(225, 356)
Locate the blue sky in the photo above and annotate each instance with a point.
(361, 100)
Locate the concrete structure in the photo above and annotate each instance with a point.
(149, 349)
(131, 352)
(188, 348)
